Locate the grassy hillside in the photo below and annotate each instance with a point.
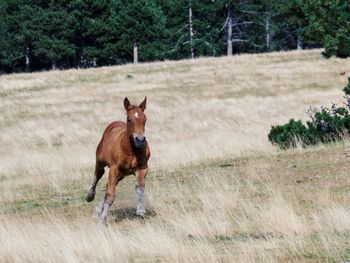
(217, 190)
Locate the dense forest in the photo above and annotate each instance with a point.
(41, 35)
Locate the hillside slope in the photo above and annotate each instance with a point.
(217, 190)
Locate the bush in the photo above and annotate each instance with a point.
(327, 125)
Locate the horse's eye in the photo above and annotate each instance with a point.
(129, 121)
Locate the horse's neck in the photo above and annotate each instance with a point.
(141, 158)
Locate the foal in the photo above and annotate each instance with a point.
(124, 149)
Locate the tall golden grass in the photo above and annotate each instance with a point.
(217, 190)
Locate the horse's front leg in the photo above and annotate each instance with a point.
(140, 191)
(110, 195)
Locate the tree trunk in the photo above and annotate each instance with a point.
(136, 55)
(191, 29)
(53, 65)
(27, 59)
(299, 43)
(229, 30)
(229, 37)
(81, 62)
(267, 31)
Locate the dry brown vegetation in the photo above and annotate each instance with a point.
(217, 190)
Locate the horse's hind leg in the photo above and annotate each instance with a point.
(99, 171)
(110, 195)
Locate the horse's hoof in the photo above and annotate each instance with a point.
(90, 196)
(102, 223)
(141, 214)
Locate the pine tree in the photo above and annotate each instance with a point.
(328, 24)
(136, 22)
(12, 57)
(91, 32)
(289, 21)
(49, 31)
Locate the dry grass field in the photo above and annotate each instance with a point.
(217, 190)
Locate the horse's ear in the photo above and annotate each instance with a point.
(126, 103)
(143, 104)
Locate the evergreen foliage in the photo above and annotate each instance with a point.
(328, 24)
(40, 35)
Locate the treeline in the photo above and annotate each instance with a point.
(40, 35)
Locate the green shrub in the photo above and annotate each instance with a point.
(327, 125)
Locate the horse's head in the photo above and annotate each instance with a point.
(136, 120)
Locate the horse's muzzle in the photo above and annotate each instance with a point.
(140, 142)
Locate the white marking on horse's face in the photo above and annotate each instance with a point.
(137, 115)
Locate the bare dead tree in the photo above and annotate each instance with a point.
(267, 30)
(310, 112)
(136, 55)
(229, 30)
(233, 24)
(299, 42)
(27, 51)
(191, 28)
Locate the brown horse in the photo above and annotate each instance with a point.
(124, 149)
